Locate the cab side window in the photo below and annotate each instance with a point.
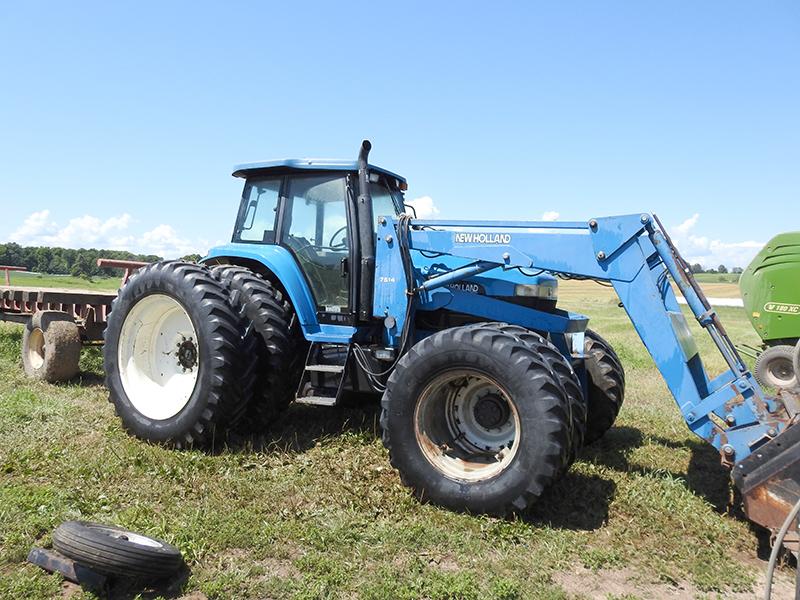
(256, 222)
(382, 204)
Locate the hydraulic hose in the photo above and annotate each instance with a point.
(776, 548)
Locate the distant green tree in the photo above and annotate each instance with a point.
(44, 257)
(58, 266)
(737, 270)
(191, 258)
(82, 267)
(722, 269)
(696, 268)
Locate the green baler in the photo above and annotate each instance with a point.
(770, 289)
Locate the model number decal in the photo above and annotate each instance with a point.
(783, 308)
(481, 238)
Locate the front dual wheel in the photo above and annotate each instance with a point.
(475, 419)
(178, 367)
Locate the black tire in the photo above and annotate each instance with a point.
(225, 373)
(537, 398)
(775, 367)
(606, 383)
(275, 330)
(796, 357)
(566, 375)
(116, 551)
(51, 347)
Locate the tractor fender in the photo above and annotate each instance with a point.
(277, 264)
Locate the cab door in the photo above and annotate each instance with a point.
(316, 229)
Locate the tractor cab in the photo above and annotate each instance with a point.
(308, 208)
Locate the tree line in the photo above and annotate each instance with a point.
(66, 261)
(698, 268)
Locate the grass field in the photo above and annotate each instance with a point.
(312, 509)
(23, 279)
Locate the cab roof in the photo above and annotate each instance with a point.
(319, 164)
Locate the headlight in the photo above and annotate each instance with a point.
(536, 290)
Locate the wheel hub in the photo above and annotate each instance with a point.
(491, 411)
(158, 356)
(466, 425)
(187, 354)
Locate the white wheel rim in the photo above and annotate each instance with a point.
(460, 438)
(36, 348)
(158, 357)
(781, 371)
(130, 536)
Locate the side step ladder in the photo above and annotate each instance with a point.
(324, 374)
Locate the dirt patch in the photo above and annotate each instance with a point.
(194, 596)
(618, 582)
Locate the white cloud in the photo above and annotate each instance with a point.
(712, 253)
(424, 207)
(113, 233)
(550, 215)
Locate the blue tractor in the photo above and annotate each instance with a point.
(488, 389)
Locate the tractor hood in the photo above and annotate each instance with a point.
(497, 282)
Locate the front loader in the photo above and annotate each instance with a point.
(488, 389)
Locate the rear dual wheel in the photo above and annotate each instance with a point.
(178, 366)
(274, 333)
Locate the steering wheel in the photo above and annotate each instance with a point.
(340, 245)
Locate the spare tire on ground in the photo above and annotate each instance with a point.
(116, 551)
(51, 346)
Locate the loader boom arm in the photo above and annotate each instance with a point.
(635, 255)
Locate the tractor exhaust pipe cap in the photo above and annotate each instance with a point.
(363, 154)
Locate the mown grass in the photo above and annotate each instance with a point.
(23, 279)
(312, 509)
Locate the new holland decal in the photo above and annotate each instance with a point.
(481, 238)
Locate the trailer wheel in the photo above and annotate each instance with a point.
(796, 358)
(276, 335)
(174, 360)
(51, 346)
(775, 367)
(566, 375)
(116, 551)
(475, 420)
(606, 386)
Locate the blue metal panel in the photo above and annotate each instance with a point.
(318, 164)
(281, 262)
(389, 299)
(493, 309)
(523, 249)
(333, 334)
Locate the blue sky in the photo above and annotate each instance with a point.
(120, 121)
